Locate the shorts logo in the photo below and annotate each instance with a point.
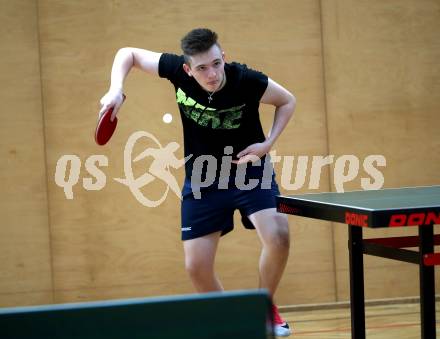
(186, 229)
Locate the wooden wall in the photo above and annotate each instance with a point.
(25, 244)
(381, 74)
(365, 76)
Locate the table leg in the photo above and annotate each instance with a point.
(427, 284)
(357, 301)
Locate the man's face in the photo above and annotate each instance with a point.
(208, 68)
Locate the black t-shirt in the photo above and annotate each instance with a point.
(232, 117)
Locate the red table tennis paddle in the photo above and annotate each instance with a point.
(106, 127)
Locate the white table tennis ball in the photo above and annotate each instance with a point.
(167, 118)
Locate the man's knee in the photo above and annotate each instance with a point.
(200, 255)
(279, 236)
(198, 268)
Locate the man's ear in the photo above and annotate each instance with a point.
(223, 56)
(187, 69)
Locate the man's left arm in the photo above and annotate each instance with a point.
(285, 104)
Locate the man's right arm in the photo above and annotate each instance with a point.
(129, 57)
(125, 59)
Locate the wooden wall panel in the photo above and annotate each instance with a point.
(25, 258)
(105, 243)
(381, 75)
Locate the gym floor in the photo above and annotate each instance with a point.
(399, 321)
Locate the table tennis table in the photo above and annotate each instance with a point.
(215, 315)
(398, 207)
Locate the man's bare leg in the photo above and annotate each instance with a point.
(199, 262)
(273, 230)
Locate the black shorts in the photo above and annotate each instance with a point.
(214, 211)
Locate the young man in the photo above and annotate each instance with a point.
(219, 104)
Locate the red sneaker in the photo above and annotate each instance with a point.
(281, 328)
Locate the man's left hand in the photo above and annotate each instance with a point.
(252, 153)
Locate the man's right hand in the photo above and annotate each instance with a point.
(113, 98)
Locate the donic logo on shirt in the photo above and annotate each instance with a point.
(205, 116)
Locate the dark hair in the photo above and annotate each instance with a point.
(197, 41)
